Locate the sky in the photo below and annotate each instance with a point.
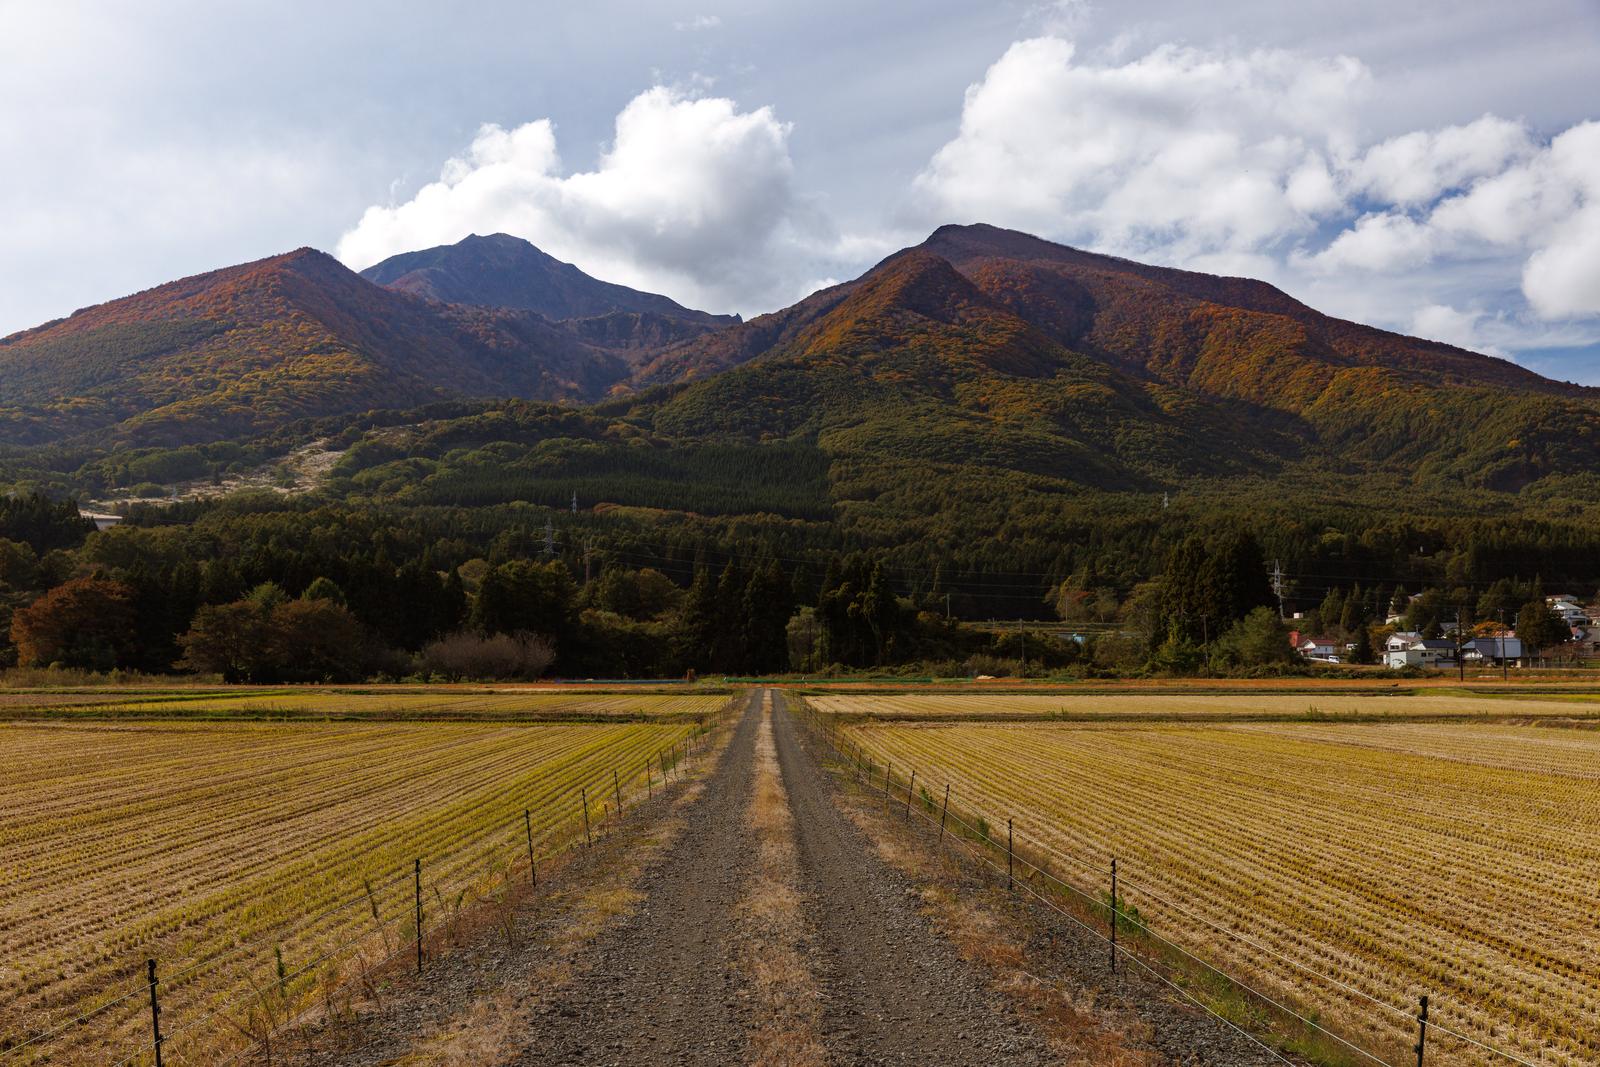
(1431, 167)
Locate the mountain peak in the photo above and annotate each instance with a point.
(500, 270)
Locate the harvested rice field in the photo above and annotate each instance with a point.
(1344, 868)
(319, 704)
(1400, 704)
(248, 857)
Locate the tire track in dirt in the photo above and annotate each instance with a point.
(894, 991)
(664, 987)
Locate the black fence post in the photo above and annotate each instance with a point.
(1422, 1030)
(155, 1011)
(1113, 915)
(533, 868)
(886, 768)
(418, 871)
(616, 783)
(1009, 854)
(944, 814)
(588, 838)
(909, 787)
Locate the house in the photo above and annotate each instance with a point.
(1568, 609)
(1410, 650)
(1399, 642)
(1497, 650)
(1320, 649)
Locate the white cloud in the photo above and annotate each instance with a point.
(1255, 161)
(693, 198)
(1415, 168)
(699, 22)
(1563, 276)
(1385, 241)
(1537, 206)
(1474, 330)
(1180, 151)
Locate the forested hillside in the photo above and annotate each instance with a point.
(983, 426)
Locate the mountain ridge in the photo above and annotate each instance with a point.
(975, 346)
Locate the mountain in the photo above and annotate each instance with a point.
(246, 349)
(505, 271)
(1032, 328)
(979, 362)
(986, 395)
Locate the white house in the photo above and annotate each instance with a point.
(1320, 649)
(1399, 642)
(1410, 650)
(1570, 611)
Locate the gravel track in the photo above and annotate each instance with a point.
(663, 986)
(895, 992)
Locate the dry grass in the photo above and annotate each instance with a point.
(496, 1027)
(214, 848)
(317, 704)
(786, 997)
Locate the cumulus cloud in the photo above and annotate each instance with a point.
(1415, 168)
(1255, 160)
(693, 198)
(1536, 205)
(1474, 329)
(1383, 241)
(1180, 151)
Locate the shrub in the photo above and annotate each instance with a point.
(468, 655)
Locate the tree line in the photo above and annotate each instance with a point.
(257, 589)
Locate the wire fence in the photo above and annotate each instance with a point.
(259, 997)
(1103, 914)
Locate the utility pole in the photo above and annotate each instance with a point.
(549, 539)
(947, 607)
(574, 501)
(1461, 659)
(1277, 587)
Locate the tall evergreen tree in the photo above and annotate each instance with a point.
(768, 604)
(697, 627)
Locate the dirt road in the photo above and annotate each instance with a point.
(663, 986)
(895, 992)
(691, 975)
